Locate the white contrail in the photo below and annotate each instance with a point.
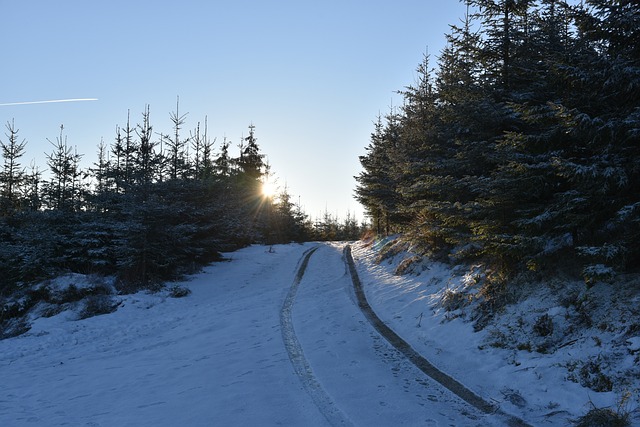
(50, 101)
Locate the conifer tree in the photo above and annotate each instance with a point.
(63, 191)
(100, 196)
(12, 177)
(249, 179)
(527, 142)
(222, 163)
(33, 180)
(207, 165)
(177, 147)
(146, 161)
(251, 160)
(606, 120)
(376, 187)
(202, 152)
(129, 153)
(504, 23)
(115, 166)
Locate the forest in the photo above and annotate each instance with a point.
(153, 207)
(520, 149)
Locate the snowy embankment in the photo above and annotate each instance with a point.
(536, 375)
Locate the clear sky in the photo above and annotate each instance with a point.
(310, 75)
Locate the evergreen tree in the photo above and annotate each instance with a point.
(129, 151)
(121, 166)
(99, 199)
(12, 177)
(526, 145)
(223, 163)
(417, 147)
(606, 119)
(249, 180)
(202, 163)
(504, 27)
(32, 189)
(115, 167)
(63, 192)
(376, 188)
(251, 161)
(207, 163)
(132, 221)
(147, 162)
(177, 147)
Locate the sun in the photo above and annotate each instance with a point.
(269, 188)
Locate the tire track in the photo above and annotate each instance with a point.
(417, 359)
(301, 366)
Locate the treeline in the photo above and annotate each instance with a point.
(523, 146)
(152, 207)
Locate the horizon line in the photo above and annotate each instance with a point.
(49, 101)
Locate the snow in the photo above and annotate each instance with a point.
(634, 344)
(213, 357)
(500, 362)
(219, 356)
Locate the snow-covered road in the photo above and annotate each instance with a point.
(370, 381)
(218, 357)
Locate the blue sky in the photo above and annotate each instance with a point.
(311, 76)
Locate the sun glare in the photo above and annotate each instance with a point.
(269, 188)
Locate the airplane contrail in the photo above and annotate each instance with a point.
(50, 101)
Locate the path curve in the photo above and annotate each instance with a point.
(301, 366)
(417, 359)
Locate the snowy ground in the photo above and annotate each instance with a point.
(221, 356)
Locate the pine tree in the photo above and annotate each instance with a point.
(115, 166)
(251, 160)
(606, 121)
(504, 26)
(222, 163)
(100, 197)
(249, 179)
(522, 183)
(64, 191)
(12, 178)
(177, 147)
(207, 164)
(147, 161)
(129, 152)
(121, 166)
(33, 180)
(202, 162)
(377, 187)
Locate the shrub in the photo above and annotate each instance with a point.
(390, 250)
(409, 265)
(453, 300)
(543, 326)
(591, 376)
(178, 291)
(70, 294)
(494, 295)
(525, 346)
(96, 305)
(514, 397)
(603, 417)
(593, 274)
(13, 327)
